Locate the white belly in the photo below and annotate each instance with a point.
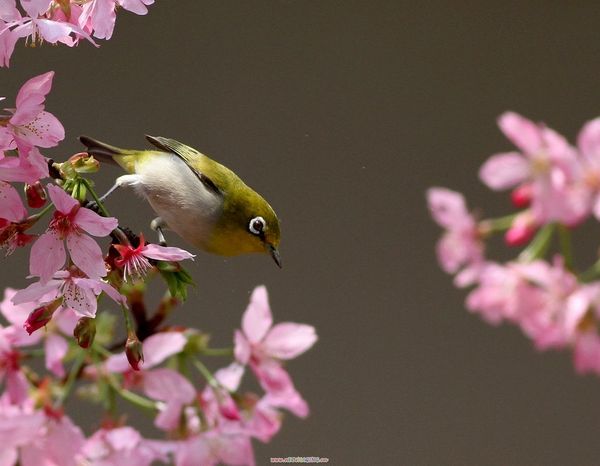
(179, 197)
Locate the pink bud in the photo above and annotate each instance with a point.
(519, 235)
(36, 195)
(521, 196)
(229, 410)
(41, 316)
(134, 353)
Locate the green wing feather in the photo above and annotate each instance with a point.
(196, 161)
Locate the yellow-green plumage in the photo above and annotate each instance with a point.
(203, 201)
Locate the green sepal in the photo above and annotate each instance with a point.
(176, 277)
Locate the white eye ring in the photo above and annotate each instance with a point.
(257, 220)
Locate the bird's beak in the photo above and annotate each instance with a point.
(275, 255)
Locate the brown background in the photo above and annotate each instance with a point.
(342, 114)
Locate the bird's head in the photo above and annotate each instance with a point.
(247, 224)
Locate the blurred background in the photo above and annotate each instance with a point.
(342, 114)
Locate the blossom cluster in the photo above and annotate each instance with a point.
(61, 317)
(59, 21)
(555, 189)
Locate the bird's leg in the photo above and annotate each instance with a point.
(125, 180)
(158, 224)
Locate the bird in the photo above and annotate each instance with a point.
(204, 202)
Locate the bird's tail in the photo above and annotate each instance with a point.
(111, 154)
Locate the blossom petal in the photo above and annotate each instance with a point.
(35, 291)
(288, 340)
(11, 205)
(257, 318)
(164, 253)
(136, 6)
(8, 11)
(523, 133)
(241, 348)
(117, 363)
(588, 139)
(28, 167)
(160, 346)
(102, 15)
(502, 171)
(95, 224)
(44, 130)
(17, 387)
(61, 200)
(86, 254)
(166, 384)
(31, 96)
(280, 389)
(447, 207)
(35, 8)
(19, 430)
(230, 376)
(80, 298)
(56, 348)
(47, 256)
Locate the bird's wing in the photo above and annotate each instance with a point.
(188, 155)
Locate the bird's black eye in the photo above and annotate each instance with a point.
(256, 225)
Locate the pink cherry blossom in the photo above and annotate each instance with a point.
(586, 353)
(100, 15)
(174, 390)
(218, 406)
(122, 446)
(28, 167)
(55, 346)
(212, 448)
(588, 143)
(69, 222)
(19, 427)
(461, 246)
(549, 324)
(134, 260)
(57, 444)
(41, 24)
(533, 295)
(263, 346)
(12, 216)
(546, 162)
(262, 341)
(164, 385)
(77, 293)
(29, 124)
(16, 388)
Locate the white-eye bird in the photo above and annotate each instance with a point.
(202, 201)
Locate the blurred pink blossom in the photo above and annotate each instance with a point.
(121, 446)
(461, 246)
(547, 163)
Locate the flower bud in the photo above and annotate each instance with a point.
(521, 196)
(41, 316)
(84, 163)
(134, 353)
(85, 331)
(522, 229)
(36, 195)
(229, 409)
